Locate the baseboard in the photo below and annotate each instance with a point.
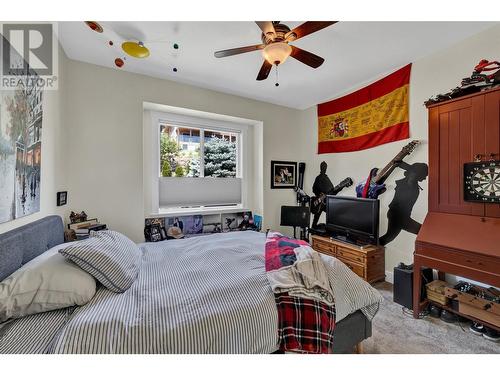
(389, 277)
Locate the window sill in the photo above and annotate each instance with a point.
(177, 211)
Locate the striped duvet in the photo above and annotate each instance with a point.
(206, 294)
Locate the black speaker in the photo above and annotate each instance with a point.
(403, 284)
(295, 216)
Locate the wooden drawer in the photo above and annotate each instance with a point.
(367, 262)
(358, 269)
(460, 258)
(352, 255)
(324, 247)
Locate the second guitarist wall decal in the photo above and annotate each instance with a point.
(405, 196)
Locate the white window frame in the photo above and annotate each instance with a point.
(238, 132)
(188, 121)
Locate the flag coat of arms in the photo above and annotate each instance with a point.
(369, 117)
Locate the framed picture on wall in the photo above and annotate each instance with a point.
(283, 174)
(62, 198)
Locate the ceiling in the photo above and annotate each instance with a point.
(354, 52)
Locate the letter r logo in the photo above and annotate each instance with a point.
(27, 46)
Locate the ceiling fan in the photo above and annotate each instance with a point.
(276, 48)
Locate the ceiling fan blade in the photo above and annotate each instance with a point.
(236, 51)
(307, 28)
(308, 58)
(266, 27)
(264, 70)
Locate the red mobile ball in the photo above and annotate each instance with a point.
(119, 62)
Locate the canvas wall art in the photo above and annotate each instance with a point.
(20, 147)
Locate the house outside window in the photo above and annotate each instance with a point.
(197, 152)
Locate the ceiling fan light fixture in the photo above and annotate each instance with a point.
(135, 49)
(277, 53)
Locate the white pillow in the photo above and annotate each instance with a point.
(48, 282)
(109, 256)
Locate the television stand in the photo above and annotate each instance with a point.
(350, 240)
(367, 261)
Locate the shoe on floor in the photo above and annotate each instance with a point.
(448, 317)
(477, 328)
(491, 334)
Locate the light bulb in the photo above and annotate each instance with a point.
(277, 53)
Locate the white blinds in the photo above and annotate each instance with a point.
(192, 191)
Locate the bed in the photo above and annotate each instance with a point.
(206, 294)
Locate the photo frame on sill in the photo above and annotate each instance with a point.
(283, 174)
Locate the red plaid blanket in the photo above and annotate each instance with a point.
(304, 325)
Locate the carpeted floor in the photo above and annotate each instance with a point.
(395, 332)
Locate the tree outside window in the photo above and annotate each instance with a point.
(182, 154)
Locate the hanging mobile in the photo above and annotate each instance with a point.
(119, 62)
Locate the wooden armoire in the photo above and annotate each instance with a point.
(459, 131)
(458, 237)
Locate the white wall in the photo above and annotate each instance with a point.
(54, 152)
(430, 75)
(104, 116)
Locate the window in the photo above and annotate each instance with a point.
(197, 152)
(199, 163)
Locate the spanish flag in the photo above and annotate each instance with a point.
(369, 117)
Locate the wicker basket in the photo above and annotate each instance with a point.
(435, 291)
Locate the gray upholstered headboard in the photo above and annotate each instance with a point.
(22, 244)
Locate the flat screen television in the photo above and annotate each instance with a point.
(353, 219)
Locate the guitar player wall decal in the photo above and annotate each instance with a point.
(405, 196)
(322, 187)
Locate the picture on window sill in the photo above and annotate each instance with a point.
(212, 224)
(283, 174)
(239, 221)
(246, 221)
(154, 229)
(229, 222)
(184, 226)
(257, 221)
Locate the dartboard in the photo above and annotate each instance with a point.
(482, 182)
